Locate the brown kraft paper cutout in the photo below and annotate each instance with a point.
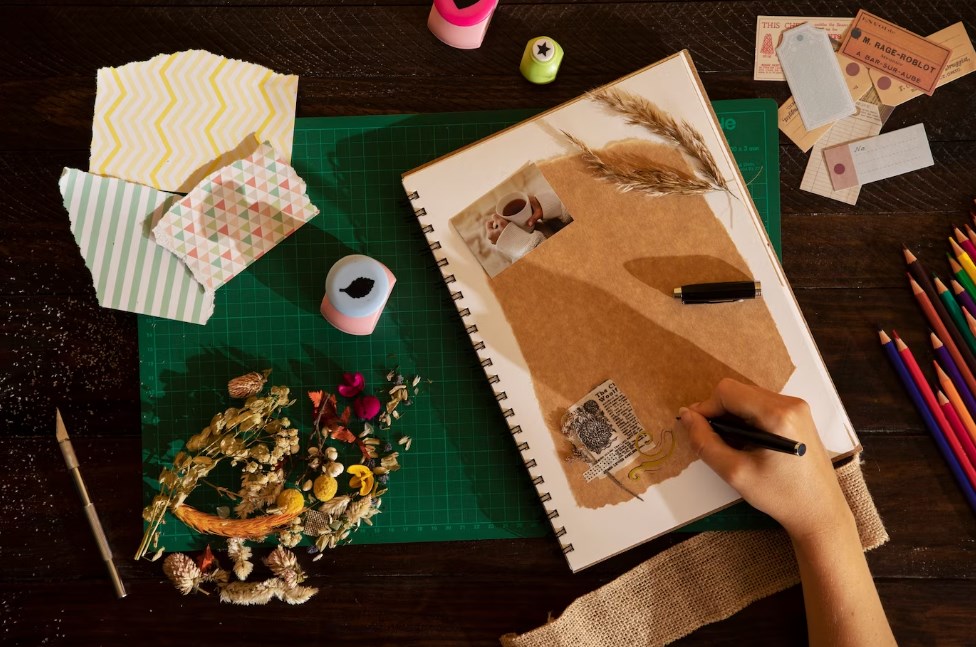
(594, 303)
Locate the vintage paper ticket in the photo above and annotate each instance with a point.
(817, 82)
(768, 32)
(866, 122)
(858, 82)
(962, 61)
(878, 158)
(897, 52)
(604, 428)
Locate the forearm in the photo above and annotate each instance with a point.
(841, 600)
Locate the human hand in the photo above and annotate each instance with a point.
(536, 212)
(801, 493)
(494, 227)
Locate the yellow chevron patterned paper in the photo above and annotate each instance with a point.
(170, 121)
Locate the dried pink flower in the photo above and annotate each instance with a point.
(366, 407)
(352, 385)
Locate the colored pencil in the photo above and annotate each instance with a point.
(970, 321)
(964, 242)
(961, 276)
(945, 359)
(957, 428)
(929, 397)
(955, 348)
(950, 390)
(970, 234)
(955, 313)
(962, 297)
(948, 454)
(964, 259)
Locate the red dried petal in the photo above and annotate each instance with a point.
(352, 385)
(367, 407)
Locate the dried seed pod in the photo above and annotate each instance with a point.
(247, 385)
(331, 453)
(334, 469)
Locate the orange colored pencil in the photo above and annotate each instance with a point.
(957, 403)
(940, 329)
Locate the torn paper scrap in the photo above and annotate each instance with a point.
(866, 122)
(878, 158)
(235, 216)
(111, 220)
(172, 120)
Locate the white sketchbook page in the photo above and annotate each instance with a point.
(672, 84)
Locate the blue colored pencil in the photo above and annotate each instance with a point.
(933, 426)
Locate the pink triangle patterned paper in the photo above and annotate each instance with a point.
(235, 216)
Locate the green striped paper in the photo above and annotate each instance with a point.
(111, 220)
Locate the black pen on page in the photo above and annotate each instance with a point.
(718, 292)
(735, 431)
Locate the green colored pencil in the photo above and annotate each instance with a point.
(961, 276)
(955, 312)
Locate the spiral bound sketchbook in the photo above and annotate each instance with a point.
(561, 240)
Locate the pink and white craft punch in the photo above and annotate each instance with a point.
(461, 28)
(356, 291)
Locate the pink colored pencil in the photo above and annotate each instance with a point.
(965, 243)
(957, 427)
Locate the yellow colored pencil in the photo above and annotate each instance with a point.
(950, 390)
(964, 260)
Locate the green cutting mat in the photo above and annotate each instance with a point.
(462, 478)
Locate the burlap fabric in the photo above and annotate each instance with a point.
(705, 579)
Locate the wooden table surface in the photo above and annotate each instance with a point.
(58, 346)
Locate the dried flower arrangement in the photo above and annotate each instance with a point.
(259, 439)
(640, 175)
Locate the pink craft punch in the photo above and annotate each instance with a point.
(356, 291)
(461, 28)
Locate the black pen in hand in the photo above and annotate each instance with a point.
(736, 432)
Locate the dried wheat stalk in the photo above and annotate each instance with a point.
(649, 178)
(652, 180)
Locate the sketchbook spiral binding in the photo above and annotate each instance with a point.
(471, 328)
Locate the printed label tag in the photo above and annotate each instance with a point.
(878, 158)
(963, 61)
(895, 51)
(815, 77)
(769, 30)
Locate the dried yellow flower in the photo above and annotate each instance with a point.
(290, 501)
(325, 487)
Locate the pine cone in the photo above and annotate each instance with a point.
(247, 385)
(182, 572)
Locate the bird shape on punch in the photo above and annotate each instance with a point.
(356, 291)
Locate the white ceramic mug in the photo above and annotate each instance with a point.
(506, 210)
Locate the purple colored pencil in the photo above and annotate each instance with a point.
(949, 366)
(963, 297)
(967, 488)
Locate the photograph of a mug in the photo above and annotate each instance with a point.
(515, 207)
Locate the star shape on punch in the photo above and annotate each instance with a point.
(543, 48)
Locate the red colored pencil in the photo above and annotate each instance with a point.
(970, 234)
(909, 360)
(940, 329)
(964, 242)
(955, 422)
